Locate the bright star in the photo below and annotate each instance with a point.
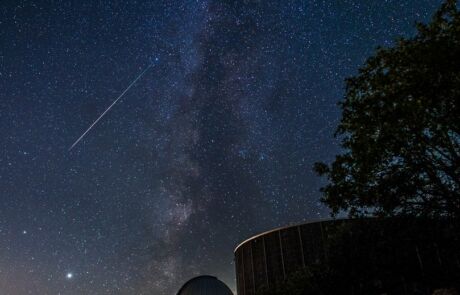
(69, 275)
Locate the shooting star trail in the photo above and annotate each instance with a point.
(108, 109)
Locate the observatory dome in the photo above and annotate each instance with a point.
(204, 285)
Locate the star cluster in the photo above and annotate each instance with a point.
(214, 144)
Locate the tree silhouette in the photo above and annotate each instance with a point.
(400, 128)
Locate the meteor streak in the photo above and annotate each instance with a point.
(108, 109)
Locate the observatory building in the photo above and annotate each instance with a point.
(204, 285)
(267, 260)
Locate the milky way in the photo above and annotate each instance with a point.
(214, 144)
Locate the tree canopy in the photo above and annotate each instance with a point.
(400, 128)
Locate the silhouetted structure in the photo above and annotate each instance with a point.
(204, 285)
(266, 260)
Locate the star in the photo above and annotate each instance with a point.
(214, 144)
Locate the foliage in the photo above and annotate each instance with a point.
(400, 128)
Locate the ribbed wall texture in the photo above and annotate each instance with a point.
(267, 259)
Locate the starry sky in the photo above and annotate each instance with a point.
(213, 144)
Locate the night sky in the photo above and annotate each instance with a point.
(213, 144)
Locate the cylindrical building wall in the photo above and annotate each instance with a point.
(266, 259)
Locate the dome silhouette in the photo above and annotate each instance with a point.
(204, 285)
